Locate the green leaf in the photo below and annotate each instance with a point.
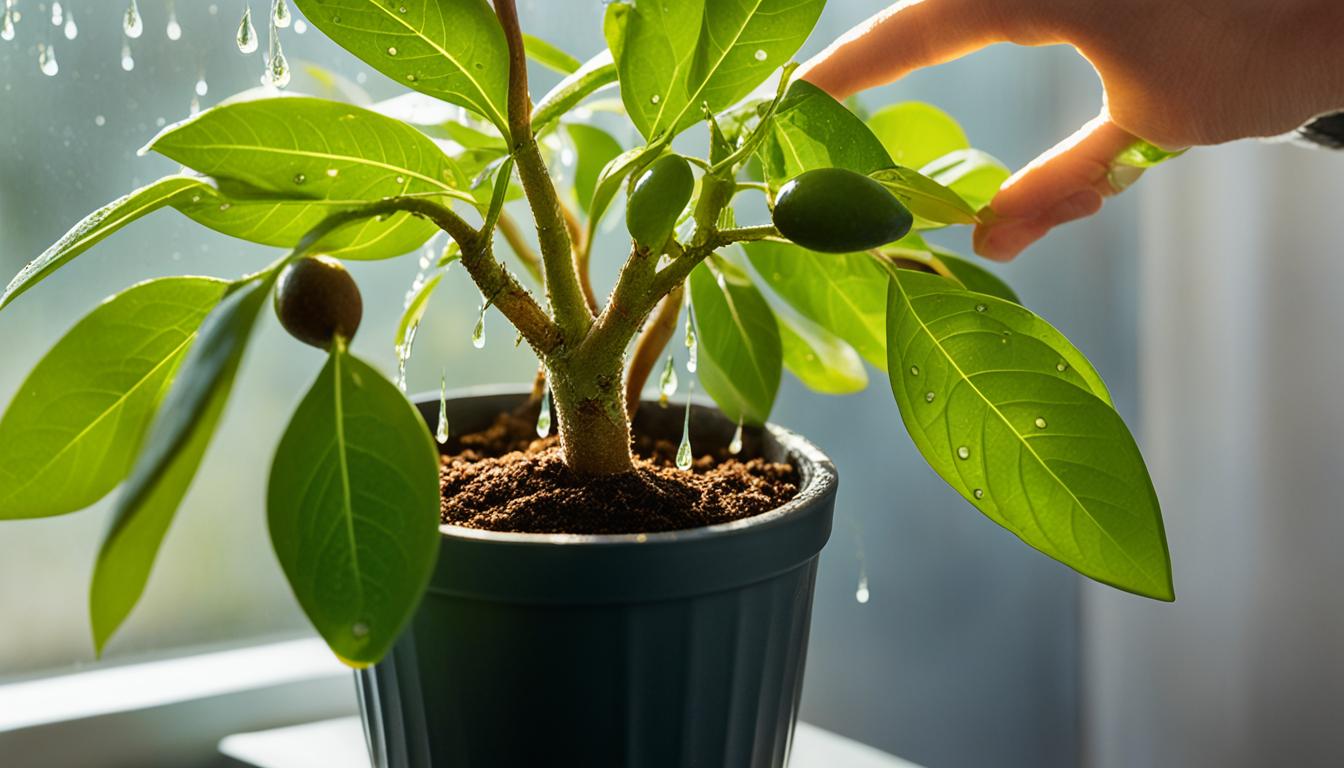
(975, 277)
(915, 133)
(813, 130)
(101, 223)
(740, 355)
(595, 74)
(285, 164)
(549, 55)
(844, 293)
(819, 358)
(1014, 428)
(69, 436)
(353, 508)
(449, 49)
(926, 198)
(974, 175)
(613, 174)
(1142, 154)
(594, 148)
(673, 57)
(172, 451)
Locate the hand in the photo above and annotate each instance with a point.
(1176, 73)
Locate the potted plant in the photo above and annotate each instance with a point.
(613, 622)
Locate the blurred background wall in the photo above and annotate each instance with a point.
(973, 650)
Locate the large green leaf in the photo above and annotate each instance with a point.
(972, 174)
(674, 57)
(595, 148)
(975, 277)
(353, 508)
(450, 49)
(1004, 414)
(740, 355)
(595, 74)
(287, 163)
(549, 55)
(813, 130)
(172, 451)
(930, 202)
(915, 133)
(70, 435)
(101, 223)
(844, 293)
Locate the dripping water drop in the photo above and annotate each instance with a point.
(127, 60)
(404, 354)
(202, 87)
(46, 60)
(280, 13)
(71, 28)
(692, 347)
(247, 34)
(277, 66)
(7, 24)
(131, 23)
(57, 14)
(478, 333)
(544, 415)
(735, 445)
(667, 382)
(684, 450)
(174, 29)
(441, 433)
(861, 592)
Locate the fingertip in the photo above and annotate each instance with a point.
(1005, 239)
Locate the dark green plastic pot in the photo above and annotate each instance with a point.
(682, 648)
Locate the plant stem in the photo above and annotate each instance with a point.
(568, 305)
(520, 247)
(659, 330)
(579, 238)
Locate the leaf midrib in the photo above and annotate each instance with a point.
(343, 467)
(354, 159)
(737, 36)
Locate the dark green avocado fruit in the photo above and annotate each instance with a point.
(833, 210)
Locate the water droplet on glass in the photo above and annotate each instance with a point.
(963, 452)
(392, 50)
(57, 15)
(299, 178)
(667, 382)
(127, 60)
(441, 434)
(71, 28)
(684, 450)
(202, 87)
(978, 493)
(131, 23)
(735, 445)
(914, 370)
(692, 347)
(929, 397)
(300, 27)
(99, 121)
(46, 60)
(360, 629)
(1061, 366)
(655, 98)
(544, 415)
(280, 13)
(980, 307)
(247, 34)
(861, 593)
(760, 54)
(478, 333)
(1040, 423)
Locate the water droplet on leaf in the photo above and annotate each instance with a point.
(1061, 366)
(299, 178)
(914, 370)
(980, 307)
(392, 50)
(360, 629)
(655, 98)
(760, 54)
(963, 452)
(929, 397)
(978, 493)
(1040, 423)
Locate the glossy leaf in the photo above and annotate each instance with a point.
(101, 223)
(975, 277)
(843, 293)
(353, 508)
(974, 175)
(740, 357)
(414, 312)
(609, 181)
(673, 57)
(70, 435)
(595, 74)
(1013, 427)
(594, 148)
(172, 451)
(915, 133)
(285, 164)
(548, 55)
(819, 358)
(449, 49)
(813, 130)
(927, 199)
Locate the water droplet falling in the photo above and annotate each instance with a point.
(173, 30)
(861, 592)
(46, 60)
(441, 434)
(735, 445)
(57, 15)
(127, 60)
(131, 23)
(247, 34)
(478, 333)
(760, 54)
(71, 28)
(277, 66)
(692, 347)
(404, 355)
(544, 415)
(684, 450)
(280, 13)
(1040, 423)
(667, 382)
(7, 22)
(963, 452)
(202, 87)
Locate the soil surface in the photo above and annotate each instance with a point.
(505, 479)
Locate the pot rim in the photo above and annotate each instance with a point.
(816, 470)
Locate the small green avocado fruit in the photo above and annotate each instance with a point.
(659, 196)
(834, 210)
(317, 300)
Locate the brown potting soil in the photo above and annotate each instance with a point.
(505, 479)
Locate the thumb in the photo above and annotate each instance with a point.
(1066, 183)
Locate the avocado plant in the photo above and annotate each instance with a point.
(841, 274)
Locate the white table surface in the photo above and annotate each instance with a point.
(340, 744)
